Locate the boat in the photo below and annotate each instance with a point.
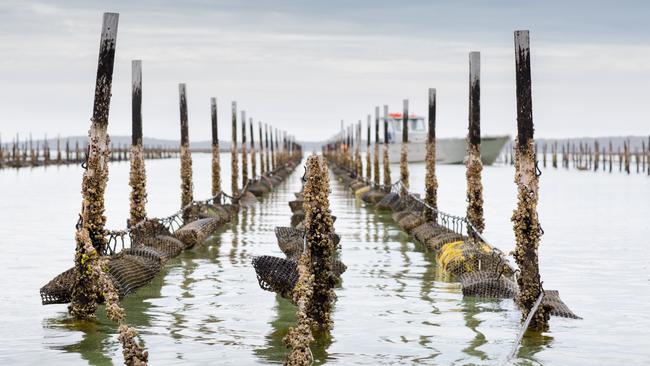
(448, 150)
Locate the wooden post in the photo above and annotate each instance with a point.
(596, 155)
(431, 182)
(526, 224)
(262, 162)
(610, 155)
(90, 239)
(234, 169)
(186, 158)
(376, 160)
(273, 162)
(266, 143)
(368, 154)
(386, 160)
(137, 177)
(554, 158)
(253, 158)
(244, 151)
(474, 164)
(404, 162)
(216, 163)
(358, 168)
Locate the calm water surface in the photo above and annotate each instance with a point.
(394, 306)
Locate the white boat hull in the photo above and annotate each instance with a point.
(449, 150)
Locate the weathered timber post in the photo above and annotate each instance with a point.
(404, 161)
(277, 149)
(77, 152)
(596, 155)
(544, 155)
(526, 224)
(376, 160)
(234, 169)
(474, 164)
(91, 243)
(430, 181)
(386, 160)
(610, 155)
(266, 143)
(636, 158)
(244, 151)
(626, 156)
(262, 165)
(58, 149)
(368, 161)
(216, 163)
(554, 159)
(137, 176)
(358, 168)
(67, 149)
(186, 158)
(253, 157)
(272, 148)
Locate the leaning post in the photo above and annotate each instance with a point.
(526, 223)
(90, 240)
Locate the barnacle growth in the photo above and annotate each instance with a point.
(387, 181)
(186, 180)
(474, 187)
(216, 170)
(404, 168)
(527, 235)
(431, 182)
(137, 181)
(300, 337)
(90, 229)
(319, 226)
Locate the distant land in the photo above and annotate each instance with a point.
(636, 142)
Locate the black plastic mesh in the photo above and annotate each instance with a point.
(59, 290)
(487, 284)
(558, 307)
(197, 231)
(290, 241)
(167, 246)
(388, 201)
(129, 272)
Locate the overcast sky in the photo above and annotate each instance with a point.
(305, 65)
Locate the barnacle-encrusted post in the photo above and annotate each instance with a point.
(358, 167)
(368, 161)
(376, 157)
(431, 182)
(626, 156)
(319, 226)
(253, 157)
(273, 155)
(596, 155)
(300, 337)
(90, 228)
(526, 223)
(404, 160)
(474, 164)
(186, 158)
(216, 164)
(387, 181)
(137, 177)
(234, 169)
(266, 143)
(244, 151)
(554, 158)
(262, 162)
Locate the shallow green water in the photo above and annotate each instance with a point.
(394, 306)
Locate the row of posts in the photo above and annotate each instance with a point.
(30, 153)
(525, 220)
(583, 156)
